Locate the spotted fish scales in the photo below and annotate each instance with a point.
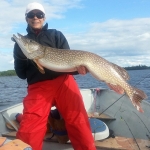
(68, 60)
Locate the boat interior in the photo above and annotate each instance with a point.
(123, 128)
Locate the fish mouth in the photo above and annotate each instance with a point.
(20, 41)
(17, 39)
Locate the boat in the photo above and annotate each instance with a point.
(128, 129)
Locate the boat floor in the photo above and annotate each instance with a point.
(117, 143)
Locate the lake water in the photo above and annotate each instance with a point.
(13, 89)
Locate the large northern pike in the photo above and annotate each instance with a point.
(63, 60)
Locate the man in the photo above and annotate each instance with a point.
(49, 89)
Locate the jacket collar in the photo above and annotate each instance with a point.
(30, 30)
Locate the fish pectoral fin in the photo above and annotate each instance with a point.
(118, 89)
(40, 68)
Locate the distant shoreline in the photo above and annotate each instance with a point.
(8, 73)
(13, 73)
(140, 67)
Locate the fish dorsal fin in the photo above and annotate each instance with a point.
(122, 71)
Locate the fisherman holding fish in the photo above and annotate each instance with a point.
(49, 89)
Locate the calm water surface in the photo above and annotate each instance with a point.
(13, 89)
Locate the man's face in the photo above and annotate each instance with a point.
(35, 19)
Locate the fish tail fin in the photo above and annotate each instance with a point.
(137, 97)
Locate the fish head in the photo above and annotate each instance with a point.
(29, 47)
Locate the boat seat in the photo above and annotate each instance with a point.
(99, 129)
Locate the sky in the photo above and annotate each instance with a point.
(117, 30)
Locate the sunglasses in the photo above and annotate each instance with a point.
(39, 15)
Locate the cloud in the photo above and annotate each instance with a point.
(114, 39)
(6, 61)
(55, 9)
(13, 14)
(124, 42)
(13, 20)
(15, 10)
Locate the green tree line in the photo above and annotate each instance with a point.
(8, 73)
(139, 67)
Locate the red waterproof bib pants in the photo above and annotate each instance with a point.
(62, 92)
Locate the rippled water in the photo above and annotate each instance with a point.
(13, 89)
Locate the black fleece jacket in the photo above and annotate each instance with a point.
(27, 69)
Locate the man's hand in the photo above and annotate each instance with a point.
(82, 70)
